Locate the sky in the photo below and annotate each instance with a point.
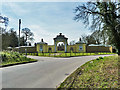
(45, 19)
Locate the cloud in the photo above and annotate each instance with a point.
(14, 8)
(46, 20)
(47, 0)
(40, 32)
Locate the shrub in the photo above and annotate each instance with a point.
(97, 59)
(100, 57)
(9, 56)
(4, 57)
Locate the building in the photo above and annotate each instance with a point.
(77, 47)
(80, 46)
(44, 47)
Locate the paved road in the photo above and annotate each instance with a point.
(48, 72)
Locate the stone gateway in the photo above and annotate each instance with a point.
(79, 46)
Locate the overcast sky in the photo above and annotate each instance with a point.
(45, 19)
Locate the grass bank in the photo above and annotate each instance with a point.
(98, 73)
(67, 54)
(12, 58)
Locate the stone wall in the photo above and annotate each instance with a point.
(30, 49)
(98, 49)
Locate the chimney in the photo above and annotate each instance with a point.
(42, 40)
(60, 34)
(80, 39)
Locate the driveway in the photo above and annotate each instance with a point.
(48, 72)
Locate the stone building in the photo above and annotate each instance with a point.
(79, 46)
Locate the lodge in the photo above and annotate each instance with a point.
(80, 46)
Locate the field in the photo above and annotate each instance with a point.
(98, 73)
(9, 58)
(67, 54)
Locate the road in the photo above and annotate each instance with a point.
(48, 72)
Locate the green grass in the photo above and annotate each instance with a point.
(98, 73)
(66, 54)
(9, 57)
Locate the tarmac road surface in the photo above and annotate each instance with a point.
(48, 72)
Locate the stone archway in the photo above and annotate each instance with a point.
(71, 49)
(49, 49)
(60, 46)
(60, 38)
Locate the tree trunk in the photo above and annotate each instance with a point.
(117, 40)
(119, 51)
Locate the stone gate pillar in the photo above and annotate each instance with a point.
(65, 46)
(55, 46)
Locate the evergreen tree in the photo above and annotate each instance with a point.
(13, 38)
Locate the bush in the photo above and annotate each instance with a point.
(4, 57)
(9, 56)
(97, 59)
(100, 57)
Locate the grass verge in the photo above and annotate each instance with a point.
(98, 73)
(66, 54)
(10, 58)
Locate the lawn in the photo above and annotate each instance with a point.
(98, 73)
(10, 58)
(67, 54)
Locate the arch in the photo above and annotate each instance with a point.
(49, 49)
(60, 46)
(60, 38)
(71, 49)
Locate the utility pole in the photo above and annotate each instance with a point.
(119, 9)
(19, 34)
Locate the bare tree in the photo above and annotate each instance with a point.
(27, 34)
(101, 14)
(72, 42)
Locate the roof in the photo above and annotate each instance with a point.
(99, 45)
(80, 42)
(42, 42)
(60, 36)
(24, 46)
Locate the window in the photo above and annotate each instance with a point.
(41, 48)
(80, 48)
(71, 49)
